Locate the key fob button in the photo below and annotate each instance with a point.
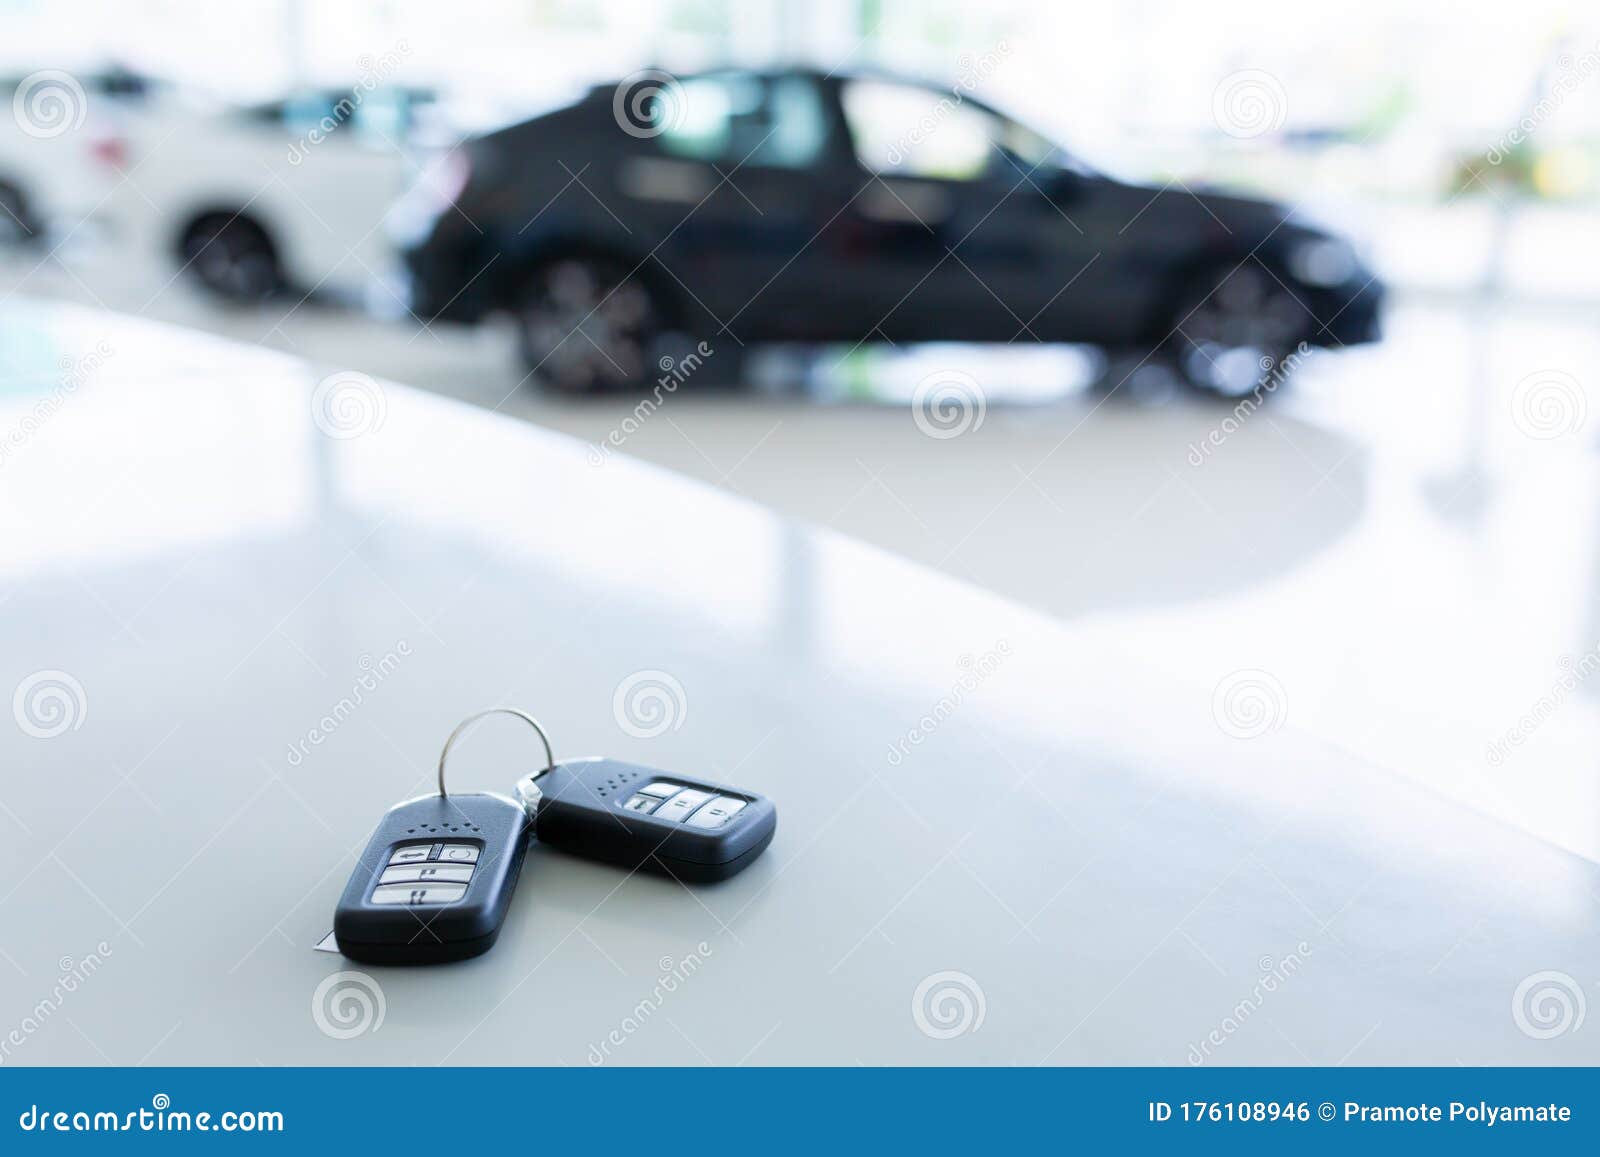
(440, 873)
(418, 894)
(659, 788)
(682, 805)
(643, 803)
(459, 853)
(716, 813)
(411, 854)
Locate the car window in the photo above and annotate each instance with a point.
(739, 118)
(909, 130)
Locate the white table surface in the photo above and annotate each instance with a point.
(1107, 869)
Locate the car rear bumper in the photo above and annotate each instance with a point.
(437, 287)
(1349, 316)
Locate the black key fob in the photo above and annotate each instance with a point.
(434, 882)
(637, 817)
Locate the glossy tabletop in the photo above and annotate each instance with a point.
(243, 600)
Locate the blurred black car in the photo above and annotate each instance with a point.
(795, 206)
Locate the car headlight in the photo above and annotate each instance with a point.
(1323, 262)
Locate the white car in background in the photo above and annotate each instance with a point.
(59, 148)
(289, 194)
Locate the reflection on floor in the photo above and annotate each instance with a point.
(1404, 539)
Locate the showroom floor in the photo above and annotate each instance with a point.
(1402, 545)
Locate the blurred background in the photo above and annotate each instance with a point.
(1390, 506)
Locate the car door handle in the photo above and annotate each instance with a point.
(657, 179)
(906, 203)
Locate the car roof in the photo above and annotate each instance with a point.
(866, 72)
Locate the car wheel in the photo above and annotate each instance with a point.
(16, 224)
(1233, 328)
(588, 324)
(232, 256)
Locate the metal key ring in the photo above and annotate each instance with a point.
(549, 755)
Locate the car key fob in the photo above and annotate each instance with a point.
(638, 817)
(435, 880)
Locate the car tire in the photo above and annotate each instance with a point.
(588, 324)
(16, 220)
(232, 256)
(1231, 329)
